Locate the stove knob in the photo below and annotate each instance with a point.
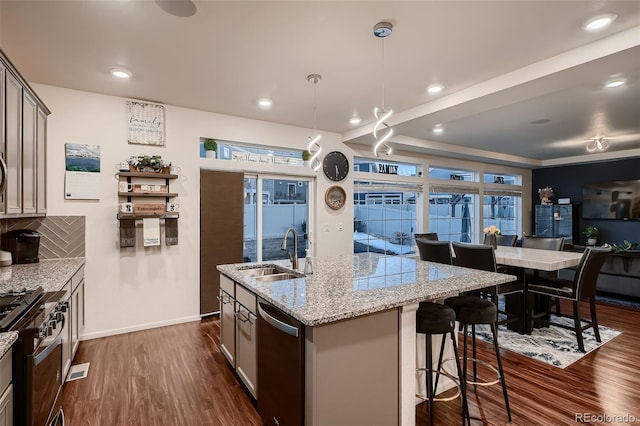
(52, 324)
(63, 306)
(59, 316)
(48, 330)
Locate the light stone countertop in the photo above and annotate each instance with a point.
(343, 287)
(6, 341)
(51, 274)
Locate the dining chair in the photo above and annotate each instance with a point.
(544, 243)
(435, 251)
(480, 256)
(502, 240)
(583, 286)
(431, 236)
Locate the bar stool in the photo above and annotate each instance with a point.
(433, 319)
(472, 310)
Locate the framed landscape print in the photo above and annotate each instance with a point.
(145, 123)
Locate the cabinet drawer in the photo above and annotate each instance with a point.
(246, 298)
(227, 285)
(6, 364)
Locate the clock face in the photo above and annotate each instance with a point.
(335, 166)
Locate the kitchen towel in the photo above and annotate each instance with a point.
(127, 232)
(151, 232)
(171, 231)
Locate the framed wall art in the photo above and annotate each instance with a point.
(145, 123)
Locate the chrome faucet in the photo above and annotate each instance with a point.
(293, 257)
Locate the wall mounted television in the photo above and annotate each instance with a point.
(611, 200)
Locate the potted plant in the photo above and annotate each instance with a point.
(592, 235)
(148, 163)
(210, 147)
(306, 155)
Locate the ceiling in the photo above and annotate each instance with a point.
(504, 65)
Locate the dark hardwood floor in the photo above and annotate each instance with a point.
(177, 376)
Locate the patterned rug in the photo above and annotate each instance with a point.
(554, 345)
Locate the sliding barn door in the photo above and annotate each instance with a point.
(221, 230)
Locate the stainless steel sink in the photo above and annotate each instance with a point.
(278, 277)
(262, 270)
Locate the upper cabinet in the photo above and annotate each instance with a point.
(23, 133)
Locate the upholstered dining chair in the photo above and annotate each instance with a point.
(544, 243)
(431, 236)
(483, 257)
(503, 240)
(583, 286)
(435, 251)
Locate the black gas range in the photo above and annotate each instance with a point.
(40, 318)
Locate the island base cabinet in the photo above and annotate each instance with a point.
(6, 389)
(227, 319)
(246, 339)
(351, 373)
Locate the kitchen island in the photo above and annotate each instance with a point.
(360, 340)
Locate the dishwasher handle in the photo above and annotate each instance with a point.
(282, 326)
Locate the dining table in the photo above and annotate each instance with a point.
(537, 260)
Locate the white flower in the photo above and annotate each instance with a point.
(491, 230)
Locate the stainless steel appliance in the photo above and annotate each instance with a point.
(280, 367)
(40, 319)
(23, 244)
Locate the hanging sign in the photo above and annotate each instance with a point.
(145, 123)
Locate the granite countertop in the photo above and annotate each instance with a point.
(6, 341)
(343, 287)
(51, 274)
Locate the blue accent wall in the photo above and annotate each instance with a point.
(567, 182)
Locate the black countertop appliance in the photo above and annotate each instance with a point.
(23, 245)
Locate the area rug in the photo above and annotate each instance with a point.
(553, 345)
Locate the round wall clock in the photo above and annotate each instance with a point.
(335, 197)
(335, 166)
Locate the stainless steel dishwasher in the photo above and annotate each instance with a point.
(280, 367)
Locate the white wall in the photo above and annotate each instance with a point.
(130, 289)
(136, 288)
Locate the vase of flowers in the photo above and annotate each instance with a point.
(491, 232)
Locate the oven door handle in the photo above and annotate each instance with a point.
(50, 348)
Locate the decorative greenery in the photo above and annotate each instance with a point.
(591, 232)
(545, 193)
(148, 163)
(210, 145)
(626, 245)
(492, 230)
(306, 155)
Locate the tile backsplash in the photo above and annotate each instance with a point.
(61, 236)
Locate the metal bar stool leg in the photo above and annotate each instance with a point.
(494, 330)
(465, 406)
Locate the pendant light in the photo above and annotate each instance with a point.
(382, 131)
(314, 147)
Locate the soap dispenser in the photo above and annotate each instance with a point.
(308, 267)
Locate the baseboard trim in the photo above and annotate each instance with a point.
(140, 327)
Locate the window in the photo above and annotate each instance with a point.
(369, 165)
(452, 213)
(284, 204)
(504, 210)
(384, 216)
(228, 150)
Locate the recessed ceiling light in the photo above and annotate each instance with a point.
(435, 88)
(599, 22)
(265, 103)
(437, 129)
(355, 120)
(120, 73)
(615, 83)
